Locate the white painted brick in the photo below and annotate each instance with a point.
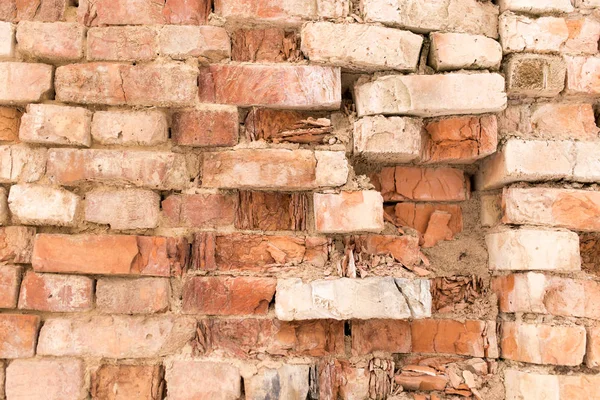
(391, 139)
(542, 35)
(42, 205)
(452, 51)
(582, 75)
(123, 209)
(536, 6)
(130, 128)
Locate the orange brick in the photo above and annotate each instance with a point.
(18, 335)
(418, 215)
(206, 128)
(404, 249)
(228, 296)
(112, 382)
(10, 120)
(16, 244)
(393, 336)
(9, 285)
(56, 293)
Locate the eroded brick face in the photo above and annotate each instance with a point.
(299, 199)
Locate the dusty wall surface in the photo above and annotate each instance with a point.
(299, 199)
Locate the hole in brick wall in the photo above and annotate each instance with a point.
(347, 328)
(169, 133)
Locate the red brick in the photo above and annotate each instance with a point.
(132, 296)
(256, 252)
(418, 215)
(10, 276)
(206, 128)
(36, 10)
(469, 338)
(359, 211)
(122, 43)
(59, 379)
(115, 336)
(109, 254)
(151, 169)
(23, 82)
(58, 41)
(16, 244)
(170, 84)
(113, 382)
(18, 335)
(422, 184)
(203, 380)
(306, 86)
(142, 12)
(208, 210)
(210, 44)
(241, 338)
(460, 140)
(543, 344)
(123, 208)
(228, 296)
(265, 45)
(55, 124)
(271, 211)
(392, 336)
(566, 208)
(404, 249)
(281, 169)
(56, 293)
(10, 120)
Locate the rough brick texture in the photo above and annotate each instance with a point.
(299, 199)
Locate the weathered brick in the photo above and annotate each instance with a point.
(340, 299)
(51, 379)
(422, 184)
(255, 252)
(206, 127)
(592, 358)
(471, 338)
(533, 249)
(419, 215)
(526, 385)
(360, 211)
(272, 211)
(23, 82)
(208, 210)
(467, 16)
(115, 336)
(122, 43)
(584, 33)
(228, 296)
(109, 254)
(536, 6)
(307, 86)
(278, 126)
(142, 12)
(130, 128)
(21, 163)
(265, 45)
(543, 35)
(43, 205)
(393, 336)
(123, 208)
(587, 3)
(565, 208)
(290, 381)
(112, 382)
(527, 161)
(57, 41)
(392, 139)
(18, 335)
(582, 75)
(241, 337)
(460, 140)
(203, 380)
(132, 296)
(37, 10)
(208, 43)
(274, 168)
(542, 344)
(7, 40)
(10, 276)
(55, 293)
(452, 51)
(155, 170)
(535, 75)
(4, 214)
(431, 95)
(16, 244)
(10, 120)
(361, 47)
(544, 294)
(169, 84)
(287, 12)
(404, 249)
(54, 124)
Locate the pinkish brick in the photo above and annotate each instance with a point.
(55, 293)
(58, 41)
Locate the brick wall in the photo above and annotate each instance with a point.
(299, 199)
